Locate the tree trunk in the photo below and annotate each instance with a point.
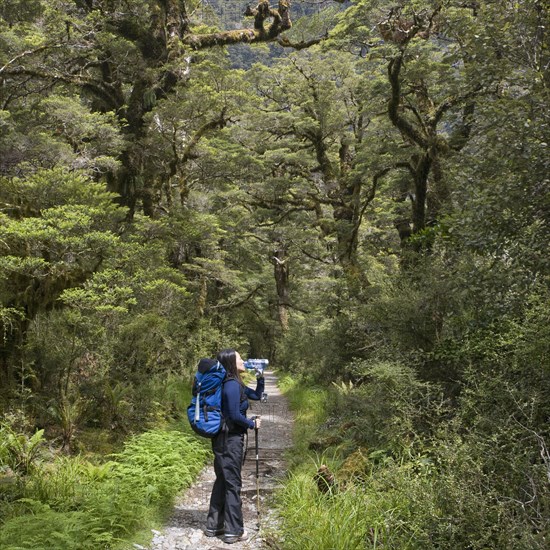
(281, 272)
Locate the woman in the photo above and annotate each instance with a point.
(225, 516)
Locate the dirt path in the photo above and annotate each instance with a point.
(185, 529)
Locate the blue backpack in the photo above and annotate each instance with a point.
(205, 411)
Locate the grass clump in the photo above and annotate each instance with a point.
(314, 520)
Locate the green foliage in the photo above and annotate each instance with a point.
(309, 408)
(94, 138)
(439, 491)
(57, 187)
(19, 451)
(104, 307)
(67, 414)
(13, 11)
(382, 411)
(61, 485)
(165, 462)
(72, 503)
(9, 317)
(52, 241)
(417, 357)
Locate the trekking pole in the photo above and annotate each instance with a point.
(257, 471)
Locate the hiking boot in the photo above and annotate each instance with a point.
(230, 539)
(214, 532)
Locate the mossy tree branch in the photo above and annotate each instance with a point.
(260, 33)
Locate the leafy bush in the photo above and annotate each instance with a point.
(405, 483)
(384, 408)
(443, 501)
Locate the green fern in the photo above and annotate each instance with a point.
(72, 503)
(19, 451)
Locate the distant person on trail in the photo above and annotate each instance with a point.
(225, 516)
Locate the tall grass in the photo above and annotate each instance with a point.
(314, 520)
(73, 504)
(356, 515)
(311, 519)
(308, 404)
(369, 510)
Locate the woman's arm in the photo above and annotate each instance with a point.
(256, 394)
(231, 397)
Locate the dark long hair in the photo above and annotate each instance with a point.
(228, 358)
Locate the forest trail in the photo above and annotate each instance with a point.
(184, 531)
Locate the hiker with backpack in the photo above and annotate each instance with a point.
(225, 517)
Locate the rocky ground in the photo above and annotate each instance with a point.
(185, 529)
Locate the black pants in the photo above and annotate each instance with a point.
(225, 502)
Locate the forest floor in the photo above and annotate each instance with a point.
(184, 531)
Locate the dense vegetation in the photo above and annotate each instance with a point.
(369, 207)
(71, 502)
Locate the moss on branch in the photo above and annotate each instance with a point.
(280, 23)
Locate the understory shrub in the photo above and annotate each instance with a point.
(407, 474)
(418, 504)
(384, 407)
